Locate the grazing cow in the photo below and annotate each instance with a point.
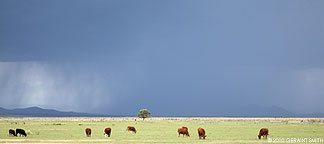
(88, 132)
(263, 132)
(130, 128)
(183, 131)
(201, 133)
(107, 132)
(12, 132)
(21, 132)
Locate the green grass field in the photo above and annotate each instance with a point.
(155, 130)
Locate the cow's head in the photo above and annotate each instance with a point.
(259, 136)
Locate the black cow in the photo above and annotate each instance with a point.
(21, 132)
(12, 132)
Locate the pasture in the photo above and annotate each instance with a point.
(156, 130)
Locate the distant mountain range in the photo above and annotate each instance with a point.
(273, 111)
(40, 112)
(250, 111)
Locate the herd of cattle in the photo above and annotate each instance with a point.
(183, 130)
(107, 131)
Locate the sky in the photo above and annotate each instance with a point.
(173, 57)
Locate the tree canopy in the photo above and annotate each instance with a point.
(144, 113)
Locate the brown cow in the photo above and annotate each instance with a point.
(88, 132)
(263, 132)
(107, 132)
(131, 128)
(184, 127)
(12, 132)
(183, 131)
(201, 133)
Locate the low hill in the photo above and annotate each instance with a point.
(249, 111)
(40, 112)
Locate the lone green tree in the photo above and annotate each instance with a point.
(144, 113)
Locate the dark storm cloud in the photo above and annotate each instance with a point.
(121, 56)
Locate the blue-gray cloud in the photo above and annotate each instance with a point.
(125, 55)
